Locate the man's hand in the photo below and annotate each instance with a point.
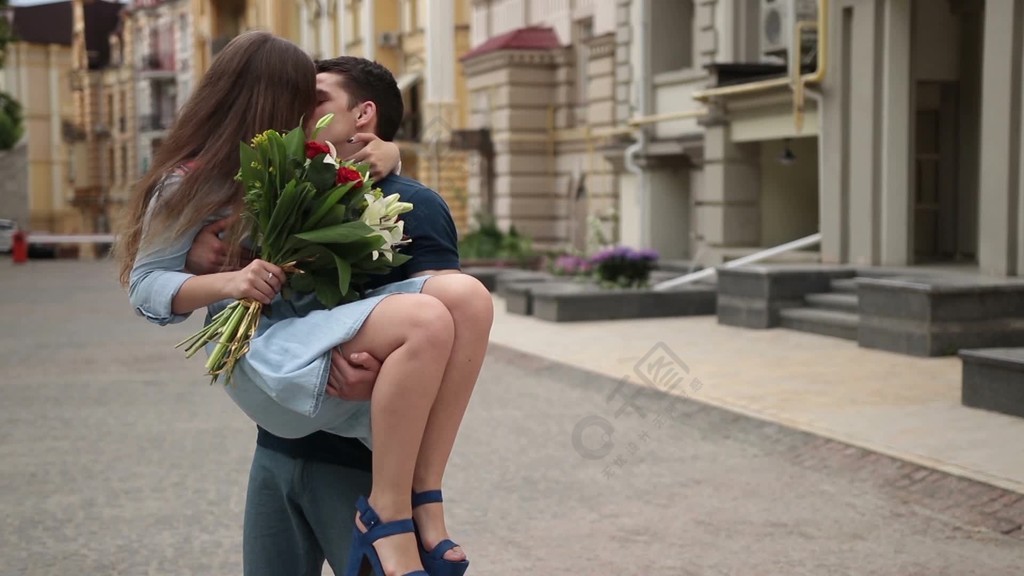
(209, 253)
(382, 156)
(353, 376)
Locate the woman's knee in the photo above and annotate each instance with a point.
(427, 319)
(465, 297)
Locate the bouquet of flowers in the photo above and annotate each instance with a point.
(317, 218)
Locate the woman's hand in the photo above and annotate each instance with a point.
(382, 156)
(260, 281)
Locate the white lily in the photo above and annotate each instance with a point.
(331, 158)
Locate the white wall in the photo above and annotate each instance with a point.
(497, 17)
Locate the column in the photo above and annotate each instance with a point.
(440, 38)
(897, 113)
(331, 49)
(341, 12)
(727, 208)
(304, 23)
(1001, 145)
(368, 26)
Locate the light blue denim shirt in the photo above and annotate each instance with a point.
(159, 269)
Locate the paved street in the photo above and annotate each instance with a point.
(118, 458)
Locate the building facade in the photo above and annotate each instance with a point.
(36, 73)
(420, 41)
(549, 104)
(715, 129)
(102, 134)
(68, 71)
(162, 31)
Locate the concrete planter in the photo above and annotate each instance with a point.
(993, 379)
(519, 295)
(940, 316)
(558, 302)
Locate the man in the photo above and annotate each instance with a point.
(299, 507)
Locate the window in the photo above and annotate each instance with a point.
(672, 36)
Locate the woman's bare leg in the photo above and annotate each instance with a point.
(472, 311)
(413, 333)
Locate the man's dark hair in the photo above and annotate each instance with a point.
(367, 81)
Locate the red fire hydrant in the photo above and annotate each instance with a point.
(19, 247)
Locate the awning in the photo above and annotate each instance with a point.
(406, 81)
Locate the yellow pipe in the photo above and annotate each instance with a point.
(794, 66)
(656, 118)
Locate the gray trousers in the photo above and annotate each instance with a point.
(297, 514)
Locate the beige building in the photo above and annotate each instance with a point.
(549, 86)
(420, 41)
(714, 129)
(905, 154)
(36, 73)
(67, 72)
(102, 132)
(216, 22)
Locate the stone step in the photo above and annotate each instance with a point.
(844, 285)
(838, 301)
(824, 322)
(993, 379)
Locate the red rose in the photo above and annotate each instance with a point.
(314, 149)
(346, 174)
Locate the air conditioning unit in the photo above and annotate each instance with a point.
(778, 21)
(388, 39)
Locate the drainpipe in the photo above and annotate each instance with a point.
(642, 109)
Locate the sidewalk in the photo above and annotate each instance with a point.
(905, 407)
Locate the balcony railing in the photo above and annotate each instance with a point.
(157, 64)
(154, 122)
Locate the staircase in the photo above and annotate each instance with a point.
(832, 313)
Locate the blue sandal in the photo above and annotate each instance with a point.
(434, 560)
(363, 551)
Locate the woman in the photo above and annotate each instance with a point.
(430, 333)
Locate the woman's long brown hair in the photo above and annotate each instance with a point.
(257, 82)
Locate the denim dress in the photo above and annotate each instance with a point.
(280, 382)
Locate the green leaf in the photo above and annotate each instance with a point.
(327, 291)
(279, 225)
(302, 282)
(359, 249)
(337, 214)
(248, 157)
(322, 175)
(295, 143)
(337, 234)
(399, 259)
(279, 158)
(344, 274)
(329, 201)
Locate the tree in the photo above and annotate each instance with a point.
(11, 118)
(11, 127)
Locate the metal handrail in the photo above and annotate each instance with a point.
(805, 242)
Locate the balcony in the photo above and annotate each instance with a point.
(157, 67)
(154, 122)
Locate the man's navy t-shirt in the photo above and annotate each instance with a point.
(433, 246)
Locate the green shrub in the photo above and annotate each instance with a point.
(11, 121)
(489, 242)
